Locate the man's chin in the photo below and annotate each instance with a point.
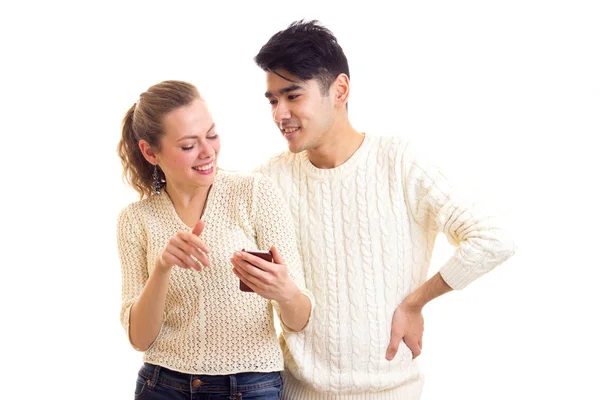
(295, 149)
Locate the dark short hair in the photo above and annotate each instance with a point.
(307, 50)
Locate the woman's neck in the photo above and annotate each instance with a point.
(189, 203)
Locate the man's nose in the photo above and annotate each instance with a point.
(281, 112)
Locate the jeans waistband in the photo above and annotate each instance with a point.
(242, 382)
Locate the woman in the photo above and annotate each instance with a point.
(182, 306)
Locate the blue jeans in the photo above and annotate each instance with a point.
(158, 383)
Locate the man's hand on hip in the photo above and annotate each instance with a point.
(407, 325)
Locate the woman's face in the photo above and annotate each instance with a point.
(189, 147)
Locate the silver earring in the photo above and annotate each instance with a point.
(156, 182)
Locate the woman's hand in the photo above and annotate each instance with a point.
(268, 279)
(186, 250)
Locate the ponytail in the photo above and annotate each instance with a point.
(137, 172)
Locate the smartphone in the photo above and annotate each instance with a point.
(265, 255)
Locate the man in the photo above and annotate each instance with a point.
(366, 211)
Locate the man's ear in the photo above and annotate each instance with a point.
(341, 90)
(147, 152)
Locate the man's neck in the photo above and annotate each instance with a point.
(340, 144)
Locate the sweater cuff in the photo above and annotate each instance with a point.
(284, 327)
(126, 325)
(125, 320)
(456, 275)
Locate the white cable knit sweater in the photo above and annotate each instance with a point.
(366, 231)
(210, 326)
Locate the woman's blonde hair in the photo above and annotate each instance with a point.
(144, 121)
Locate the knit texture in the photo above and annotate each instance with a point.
(366, 231)
(210, 326)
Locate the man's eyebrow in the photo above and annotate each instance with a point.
(285, 90)
(196, 136)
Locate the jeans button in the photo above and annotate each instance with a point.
(196, 383)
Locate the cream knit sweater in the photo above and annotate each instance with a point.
(366, 231)
(210, 326)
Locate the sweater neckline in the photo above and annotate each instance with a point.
(208, 205)
(340, 170)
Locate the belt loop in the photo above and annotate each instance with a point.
(154, 379)
(233, 393)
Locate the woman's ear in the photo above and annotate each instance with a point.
(147, 152)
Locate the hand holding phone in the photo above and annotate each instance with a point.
(265, 255)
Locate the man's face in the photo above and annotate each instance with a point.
(303, 115)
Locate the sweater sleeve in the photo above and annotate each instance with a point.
(134, 272)
(274, 227)
(480, 244)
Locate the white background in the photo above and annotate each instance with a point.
(506, 94)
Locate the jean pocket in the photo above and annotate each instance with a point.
(140, 387)
(265, 393)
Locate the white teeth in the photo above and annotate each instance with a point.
(204, 167)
